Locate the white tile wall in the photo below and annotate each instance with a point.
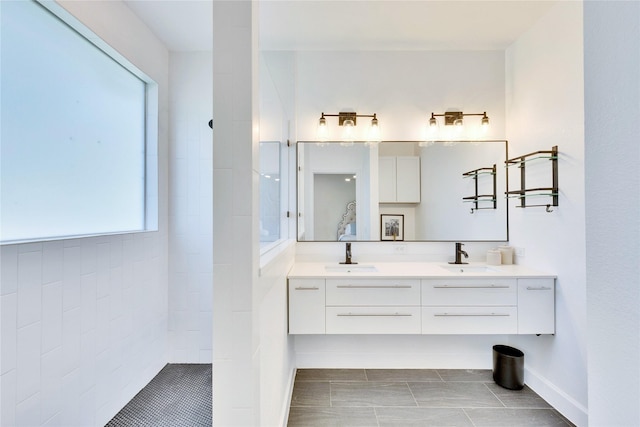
(51, 316)
(64, 348)
(191, 212)
(235, 247)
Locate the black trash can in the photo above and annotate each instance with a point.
(508, 367)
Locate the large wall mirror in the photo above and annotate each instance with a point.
(398, 190)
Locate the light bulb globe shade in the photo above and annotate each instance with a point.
(433, 122)
(347, 130)
(374, 132)
(322, 131)
(485, 121)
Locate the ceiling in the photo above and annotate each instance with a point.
(186, 25)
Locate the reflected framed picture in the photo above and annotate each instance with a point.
(391, 227)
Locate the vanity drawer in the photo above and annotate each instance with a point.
(469, 320)
(469, 292)
(359, 292)
(373, 320)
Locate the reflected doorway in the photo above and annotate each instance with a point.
(331, 195)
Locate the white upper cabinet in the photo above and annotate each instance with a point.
(399, 179)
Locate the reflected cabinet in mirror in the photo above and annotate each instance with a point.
(438, 191)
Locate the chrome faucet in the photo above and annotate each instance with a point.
(459, 253)
(347, 255)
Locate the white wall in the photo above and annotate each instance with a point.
(84, 321)
(191, 208)
(612, 85)
(277, 357)
(236, 166)
(545, 108)
(403, 88)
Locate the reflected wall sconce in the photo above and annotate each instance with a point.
(348, 122)
(454, 118)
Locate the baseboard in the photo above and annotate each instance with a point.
(287, 403)
(563, 403)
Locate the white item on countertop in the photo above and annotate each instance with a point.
(507, 254)
(494, 257)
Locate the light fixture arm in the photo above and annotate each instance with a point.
(455, 117)
(347, 115)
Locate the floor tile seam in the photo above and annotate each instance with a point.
(413, 395)
(529, 407)
(496, 396)
(419, 407)
(375, 414)
(468, 417)
(462, 407)
(450, 382)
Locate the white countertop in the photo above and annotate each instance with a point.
(415, 270)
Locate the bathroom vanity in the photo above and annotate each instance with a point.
(420, 298)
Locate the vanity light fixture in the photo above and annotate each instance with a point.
(454, 118)
(348, 121)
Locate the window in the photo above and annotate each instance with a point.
(77, 146)
(270, 193)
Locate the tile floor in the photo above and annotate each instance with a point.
(180, 395)
(413, 397)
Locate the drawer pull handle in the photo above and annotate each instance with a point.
(374, 314)
(471, 315)
(540, 288)
(374, 287)
(471, 287)
(301, 288)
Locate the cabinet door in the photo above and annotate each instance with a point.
(306, 306)
(536, 306)
(387, 179)
(408, 179)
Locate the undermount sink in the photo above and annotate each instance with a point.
(461, 268)
(351, 268)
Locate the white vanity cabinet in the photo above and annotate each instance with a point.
(420, 298)
(536, 306)
(306, 306)
(373, 306)
(399, 179)
(469, 306)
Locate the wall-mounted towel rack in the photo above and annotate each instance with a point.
(523, 193)
(482, 199)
